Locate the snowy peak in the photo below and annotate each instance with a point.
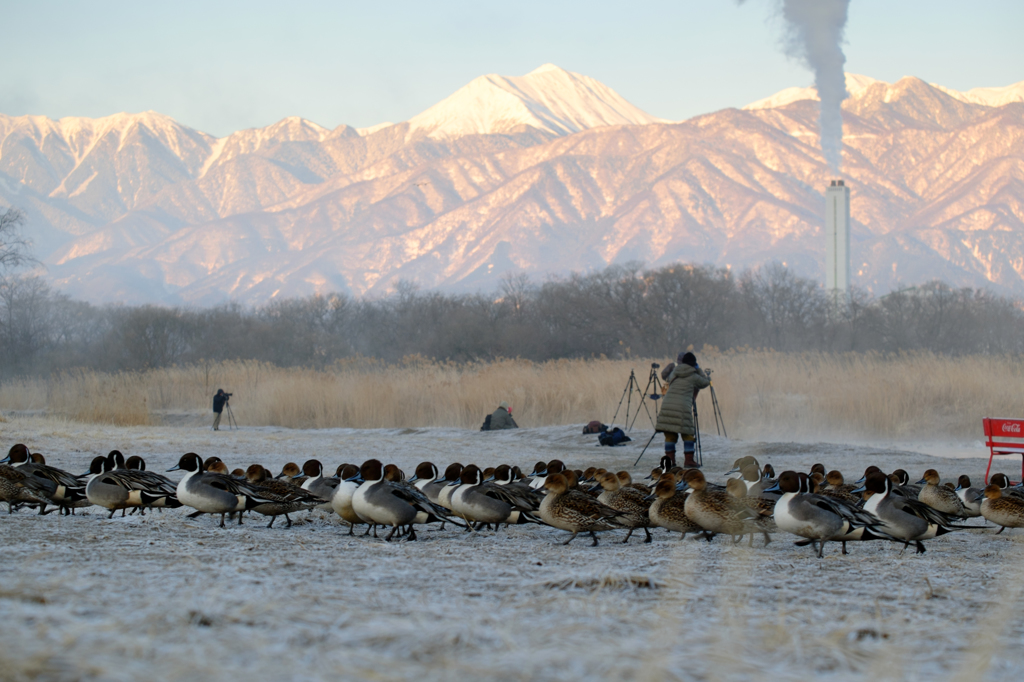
(988, 97)
(855, 85)
(548, 98)
(861, 87)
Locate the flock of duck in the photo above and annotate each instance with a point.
(817, 506)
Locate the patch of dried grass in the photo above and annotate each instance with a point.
(762, 394)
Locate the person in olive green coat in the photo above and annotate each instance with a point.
(502, 419)
(675, 418)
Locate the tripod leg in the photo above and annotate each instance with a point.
(645, 448)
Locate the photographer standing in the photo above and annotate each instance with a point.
(219, 401)
(676, 416)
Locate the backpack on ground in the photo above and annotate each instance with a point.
(615, 436)
(594, 427)
(487, 424)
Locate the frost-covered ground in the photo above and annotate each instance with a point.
(169, 598)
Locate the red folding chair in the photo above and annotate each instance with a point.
(1004, 437)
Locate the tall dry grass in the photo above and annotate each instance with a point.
(762, 394)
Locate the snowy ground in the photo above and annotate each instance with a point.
(169, 598)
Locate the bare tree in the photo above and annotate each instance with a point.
(13, 246)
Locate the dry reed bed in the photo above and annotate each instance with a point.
(762, 394)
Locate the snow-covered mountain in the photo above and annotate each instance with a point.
(544, 173)
(548, 98)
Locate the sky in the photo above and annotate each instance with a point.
(225, 66)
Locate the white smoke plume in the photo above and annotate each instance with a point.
(814, 36)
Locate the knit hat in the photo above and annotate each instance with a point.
(688, 359)
(504, 405)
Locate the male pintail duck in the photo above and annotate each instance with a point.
(1009, 490)
(668, 508)
(283, 498)
(427, 478)
(1005, 512)
(318, 484)
(632, 503)
(575, 511)
(159, 489)
(481, 502)
(970, 497)
(68, 493)
(210, 493)
(555, 466)
(382, 502)
(341, 500)
(818, 518)
(939, 497)
(904, 519)
(716, 511)
(114, 488)
(444, 495)
(902, 484)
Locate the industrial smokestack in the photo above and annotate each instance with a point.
(837, 240)
(814, 36)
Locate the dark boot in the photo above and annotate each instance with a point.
(689, 462)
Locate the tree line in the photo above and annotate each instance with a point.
(620, 311)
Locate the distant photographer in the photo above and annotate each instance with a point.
(219, 401)
(676, 416)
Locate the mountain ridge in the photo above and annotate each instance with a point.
(140, 208)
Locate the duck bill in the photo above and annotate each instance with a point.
(862, 489)
(731, 471)
(176, 467)
(922, 481)
(774, 489)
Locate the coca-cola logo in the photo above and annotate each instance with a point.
(1011, 428)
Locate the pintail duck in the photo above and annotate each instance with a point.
(903, 486)
(444, 495)
(668, 508)
(817, 468)
(716, 511)
(1005, 512)
(970, 497)
(750, 475)
(574, 511)
(631, 502)
(904, 519)
(431, 483)
(341, 500)
(160, 489)
(116, 488)
(835, 486)
(626, 481)
(763, 505)
(283, 498)
(505, 476)
(939, 497)
(1009, 490)
(555, 466)
(818, 518)
(19, 487)
(382, 502)
(69, 491)
(318, 484)
(480, 502)
(210, 493)
(291, 473)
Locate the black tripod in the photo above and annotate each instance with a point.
(627, 394)
(232, 424)
(715, 409)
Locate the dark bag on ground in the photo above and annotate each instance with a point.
(614, 437)
(487, 424)
(594, 427)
